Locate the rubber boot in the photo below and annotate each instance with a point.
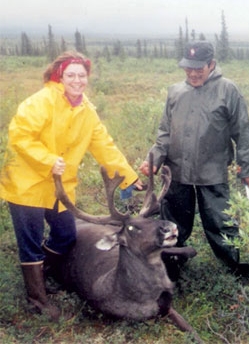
(53, 264)
(34, 282)
(240, 270)
(231, 257)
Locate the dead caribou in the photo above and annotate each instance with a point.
(116, 262)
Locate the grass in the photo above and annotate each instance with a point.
(130, 97)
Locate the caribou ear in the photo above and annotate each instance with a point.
(108, 242)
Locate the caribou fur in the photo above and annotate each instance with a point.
(116, 262)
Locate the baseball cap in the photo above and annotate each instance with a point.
(197, 54)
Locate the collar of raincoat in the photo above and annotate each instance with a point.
(61, 89)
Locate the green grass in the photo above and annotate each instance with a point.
(130, 97)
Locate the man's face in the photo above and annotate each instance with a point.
(197, 77)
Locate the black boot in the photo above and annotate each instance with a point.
(34, 282)
(241, 270)
(233, 262)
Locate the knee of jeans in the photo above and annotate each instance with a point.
(61, 245)
(29, 255)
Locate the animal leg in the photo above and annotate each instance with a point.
(182, 324)
(174, 258)
(165, 309)
(164, 303)
(186, 251)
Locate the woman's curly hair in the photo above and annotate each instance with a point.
(53, 70)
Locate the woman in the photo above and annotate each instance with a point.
(50, 134)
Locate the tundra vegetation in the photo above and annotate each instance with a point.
(129, 95)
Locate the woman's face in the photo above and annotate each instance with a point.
(74, 79)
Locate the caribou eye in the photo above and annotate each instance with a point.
(130, 228)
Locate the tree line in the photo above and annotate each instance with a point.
(141, 48)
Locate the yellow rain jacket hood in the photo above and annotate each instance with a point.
(45, 127)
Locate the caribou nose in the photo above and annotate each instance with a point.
(169, 227)
(174, 229)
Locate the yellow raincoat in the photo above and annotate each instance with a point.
(45, 127)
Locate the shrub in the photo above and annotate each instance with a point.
(238, 210)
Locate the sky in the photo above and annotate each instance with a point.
(122, 17)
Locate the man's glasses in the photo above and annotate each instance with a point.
(198, 71)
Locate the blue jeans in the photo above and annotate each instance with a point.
(29, 230)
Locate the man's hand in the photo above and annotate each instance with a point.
(144, 168)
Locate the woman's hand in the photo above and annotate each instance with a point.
(59, 166)
(138, 185)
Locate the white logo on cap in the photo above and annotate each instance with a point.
(192, 52)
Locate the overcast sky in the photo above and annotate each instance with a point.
(148, 17)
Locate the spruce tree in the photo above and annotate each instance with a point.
(193, 35)
(222, 42)
(180, 45)
(52, 47)
(186, 33)
(63, 44)
(26, 47)
(145, 50)
(78, 41)
(138, 49)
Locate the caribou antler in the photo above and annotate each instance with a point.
(110, 187)
(151, 204)
(116, 218)
(166, 180)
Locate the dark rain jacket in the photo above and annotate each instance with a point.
(196, 129)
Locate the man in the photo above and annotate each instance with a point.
(202, 116)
